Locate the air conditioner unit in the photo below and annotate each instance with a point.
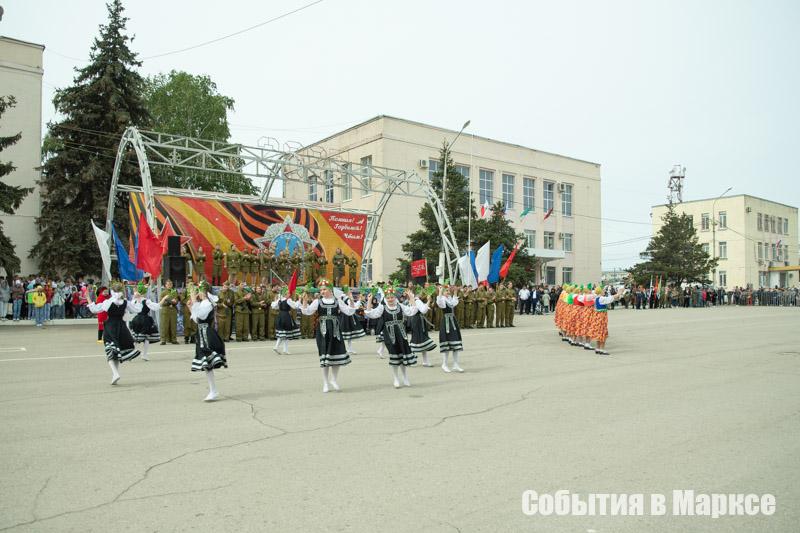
(748, 209)
(423, 163)
(561, 187)
(561, 236)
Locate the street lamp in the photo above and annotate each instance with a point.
(714, 235)
(444, 192)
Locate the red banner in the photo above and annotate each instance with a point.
(419, 268)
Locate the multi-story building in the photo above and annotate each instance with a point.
(755, 240)
(567, 242)
(21, 77)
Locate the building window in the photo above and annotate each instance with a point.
(433, 168)
(566, 200)
(704, 222)
(780, 252)
(366, 168)
(774, 254)
(550, 275)
(329, 186)
(463, 170)
(486, 186)
(786, 226)
(528, 193)
(759, 223)
(723, 278)
(723, 219)
(530, 238)
(367, 265)
(760, 249)
(508, 191)
(312, 188)
(780, 224)
(549, 240)
(772, 224)
(347, 183)
(705, 247)
(567, 242)
(762, 279)
(548, 200)
(723, 250)
(566, 274)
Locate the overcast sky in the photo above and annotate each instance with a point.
(636, 86)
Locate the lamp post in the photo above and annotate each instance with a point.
(714, 234)
(444, 194)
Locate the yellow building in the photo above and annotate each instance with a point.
(754, 239)
(21, 76)
(567, 243)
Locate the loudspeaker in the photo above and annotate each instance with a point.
(175, 270)
(174, 245)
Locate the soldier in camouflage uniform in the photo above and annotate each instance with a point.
(234, 262)
(469, 307)
(258, 306)
(481, 298)
(218, 258)
(242, 317)
(500, 303)
(224, 311)
(511, 302)
(200, 263)
(491, 306)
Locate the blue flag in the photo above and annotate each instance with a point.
(494, 266)
(127, 270)
(472, 262)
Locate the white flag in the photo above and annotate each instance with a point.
(482, 260)
(103, 238)
(467, 275)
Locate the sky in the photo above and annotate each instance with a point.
(637, 86)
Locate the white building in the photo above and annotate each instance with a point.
(21, 76)
(567, 243)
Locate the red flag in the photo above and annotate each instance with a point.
(292, 284)
(507, 264)
(150, 253)
(419, 268)
(547, 215)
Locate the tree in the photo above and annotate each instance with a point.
(674, 253)
(183, 104)
(80, 151)
(10, 196)
(497, 230)
(428, 240)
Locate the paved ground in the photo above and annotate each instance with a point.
(705, 399)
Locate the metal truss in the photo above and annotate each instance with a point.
(268, 163)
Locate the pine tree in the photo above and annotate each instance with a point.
(10, 196)
(428, 240)
(497, 230)
(674, 253)
(80, 151)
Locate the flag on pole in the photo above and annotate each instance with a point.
(465, 270)
(150, 252)
(524, 212)
(102, 243)
(485, 209)
(547, 215)
(494, 268)
(126, 269)
(292, 284)
(507, 264)
(472, 264)
(482, 262)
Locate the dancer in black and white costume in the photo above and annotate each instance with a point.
(420, 340)
(349, 326)
(117, 339)
(330, 345)
(285, 327)
(209, 352)
(394, 332)
(143, 327)
(449, 332)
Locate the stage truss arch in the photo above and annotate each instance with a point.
(267, 166)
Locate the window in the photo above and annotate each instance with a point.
(759, 223)
(723, 219)
(463, 170)
(566, 275)
(549, 240)
(705, 247)
(762, 279)
(704, 222)
(329, 186)
(366, 168)
(780, 224)
(786, 226)
(760, 249)
(433, 168)
(530, 238)
(774, 254)
(508, 191)
(568, 242)
(772, 224)
(723, 278)
(486, 186)
(723, 250)
(780, 252)
(312, 188)
(550, 275)
(566, 200)
(368, 265)
(528, 193)
(549, 188)
(347, 183)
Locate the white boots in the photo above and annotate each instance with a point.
(329, 378)
(396, 371)
(456, 367)
(114, 364)
(212, 387)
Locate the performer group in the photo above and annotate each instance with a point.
(582, 316)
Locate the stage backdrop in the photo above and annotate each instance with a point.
(211, 222)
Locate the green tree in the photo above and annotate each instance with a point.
(497, 230)
(183, 104)
(80, 150)
(428, 240)
(10, 196)
(674, 253)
